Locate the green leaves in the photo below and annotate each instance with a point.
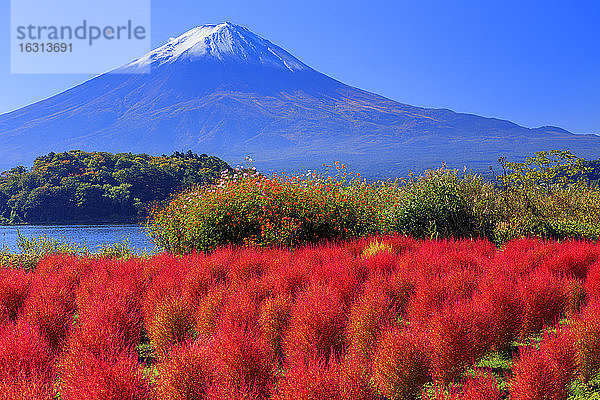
(547, 169)
(77, 186)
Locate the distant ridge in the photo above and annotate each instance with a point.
(225, 91)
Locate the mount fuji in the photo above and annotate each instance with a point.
(225, 91)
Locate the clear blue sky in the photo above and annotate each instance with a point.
(532, 62)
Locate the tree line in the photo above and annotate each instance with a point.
(99, 187)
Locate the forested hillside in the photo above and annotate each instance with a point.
(78, 187)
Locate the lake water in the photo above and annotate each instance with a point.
(92, 236)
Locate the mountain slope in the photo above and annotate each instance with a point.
(224, 91)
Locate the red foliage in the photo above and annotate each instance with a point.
(173, 322)
(592, 283)
(452, 342)
(241, 360)
(14, 289)
(573, 260)
(274, 317)
(544, 301)
(169, 317)
(496, 313)
(400, 364)
(326, 321)
(26, 363)
(209, 309)
(245, 264)
(545, 373)
(85, 375)
(50, 307)
(241, 304)
(586, 331)
(369, 315)
(316, 325)
(354, 379)
(185, 373)
(481, 386)
(576, 296)
(533, 377)
(315, 379)
(100, 360)
(109, 300)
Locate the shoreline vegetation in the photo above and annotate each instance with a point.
(552, 195)
(78, 187)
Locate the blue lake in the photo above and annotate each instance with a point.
(92, 236)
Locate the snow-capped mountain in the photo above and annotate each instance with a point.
(225, 91)
(224, 42)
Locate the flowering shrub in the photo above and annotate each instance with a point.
(249, 208)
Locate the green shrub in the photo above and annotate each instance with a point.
(547, 196)
(32, 249)
(442, 204)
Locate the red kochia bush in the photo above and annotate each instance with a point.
(314, 379)
(316, 326)
(400, 364)
(545, 374)
(274, 317)
(241, 359)
(169, 317)
(51, 302)
(109, 298)
(317, 379)
(185, 373)
(533, 377)
(452, 342)
(573, 259)
(241, 304)
(373, 311)
(87, 376)
(50, 307)
(14, 289)
(26, 363)
(355, 379)
(481, 386)
(173, 321)
(435, 290)
(587, 341)
(100, 362)
(497, 313)
(209, 309)
(544, 301)
(592, 283)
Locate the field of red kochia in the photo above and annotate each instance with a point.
(323, 322)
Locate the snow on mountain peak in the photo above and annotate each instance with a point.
(224, 42)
